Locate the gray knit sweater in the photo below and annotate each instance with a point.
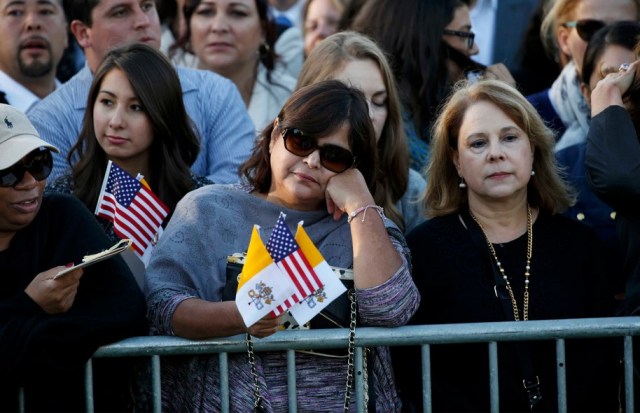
(190, 261)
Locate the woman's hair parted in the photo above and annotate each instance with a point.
(175, 143)
(547, 190)
(318, 110)
(266, 50)
(325, 62)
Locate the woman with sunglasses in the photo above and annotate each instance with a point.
(51, 326)
(316, 163)
(566, 30)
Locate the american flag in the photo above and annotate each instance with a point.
(291, 260)
(136, 212)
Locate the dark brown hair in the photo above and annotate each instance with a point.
(319, 110)
(175, 143)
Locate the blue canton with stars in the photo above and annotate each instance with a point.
(122, 185)
(281, 242)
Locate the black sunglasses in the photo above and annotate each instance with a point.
(586, 28)
(470, 36)
(38, 163)
(333, 157)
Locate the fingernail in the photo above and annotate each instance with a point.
(69, 265)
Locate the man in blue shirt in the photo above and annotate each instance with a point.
(213, 102)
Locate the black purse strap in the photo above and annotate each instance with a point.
(530, 382)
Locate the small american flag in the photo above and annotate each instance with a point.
(291, 260)
(136, 212)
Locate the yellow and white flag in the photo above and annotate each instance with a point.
(332, 287)
(261, 285)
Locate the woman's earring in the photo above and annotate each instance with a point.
(533, 172)
(462, 183)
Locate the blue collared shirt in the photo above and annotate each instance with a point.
(212, 101)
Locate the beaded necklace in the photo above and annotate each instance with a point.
(514, 304)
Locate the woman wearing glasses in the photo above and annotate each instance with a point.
(566, 30)
(50, 327)
(430, 43)
(316, 163)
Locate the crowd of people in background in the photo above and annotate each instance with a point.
(468, 160)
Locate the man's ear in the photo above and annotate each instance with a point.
(82, 33)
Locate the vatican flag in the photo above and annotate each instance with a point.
(332, 287)
(261, 285)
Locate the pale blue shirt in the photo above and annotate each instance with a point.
(213, 103)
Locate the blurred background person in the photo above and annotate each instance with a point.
(33, 37)
(236, 40)
(321, 19)
(612, 159)
(566, 29)
(499, 42)
(609, 47)
(357, 61)
(431, 52)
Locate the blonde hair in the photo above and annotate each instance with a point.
(327, 59)
(559, 12)
(547, 190)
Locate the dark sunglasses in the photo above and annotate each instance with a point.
(332, 157)
(470, 36)
(38, 163)
(586, 28)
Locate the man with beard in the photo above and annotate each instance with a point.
(33, 36)
(212, 102)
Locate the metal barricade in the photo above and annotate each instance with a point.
(423, 335)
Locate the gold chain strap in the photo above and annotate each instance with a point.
(254, 373)
(525, 301)
(351, 351)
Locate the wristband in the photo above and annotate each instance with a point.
(355, 213)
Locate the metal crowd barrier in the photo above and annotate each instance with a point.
(424, 335)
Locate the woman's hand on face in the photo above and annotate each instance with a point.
(265, 326)
(610, 89)
(55, 296)
(499, 71)
(347, 192)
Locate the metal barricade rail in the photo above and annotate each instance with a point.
(423, 335)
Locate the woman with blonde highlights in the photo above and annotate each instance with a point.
(498, 249)
(356, 60)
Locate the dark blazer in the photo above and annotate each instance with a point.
(512, 21)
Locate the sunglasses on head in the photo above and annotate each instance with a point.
(38, 163)
(586, 28)
(333, 157)
(470, 36)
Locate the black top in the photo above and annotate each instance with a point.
(613, 172)
(456, 282)
(47, 353)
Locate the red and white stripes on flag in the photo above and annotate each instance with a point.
(136, 212)
(291, 260)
